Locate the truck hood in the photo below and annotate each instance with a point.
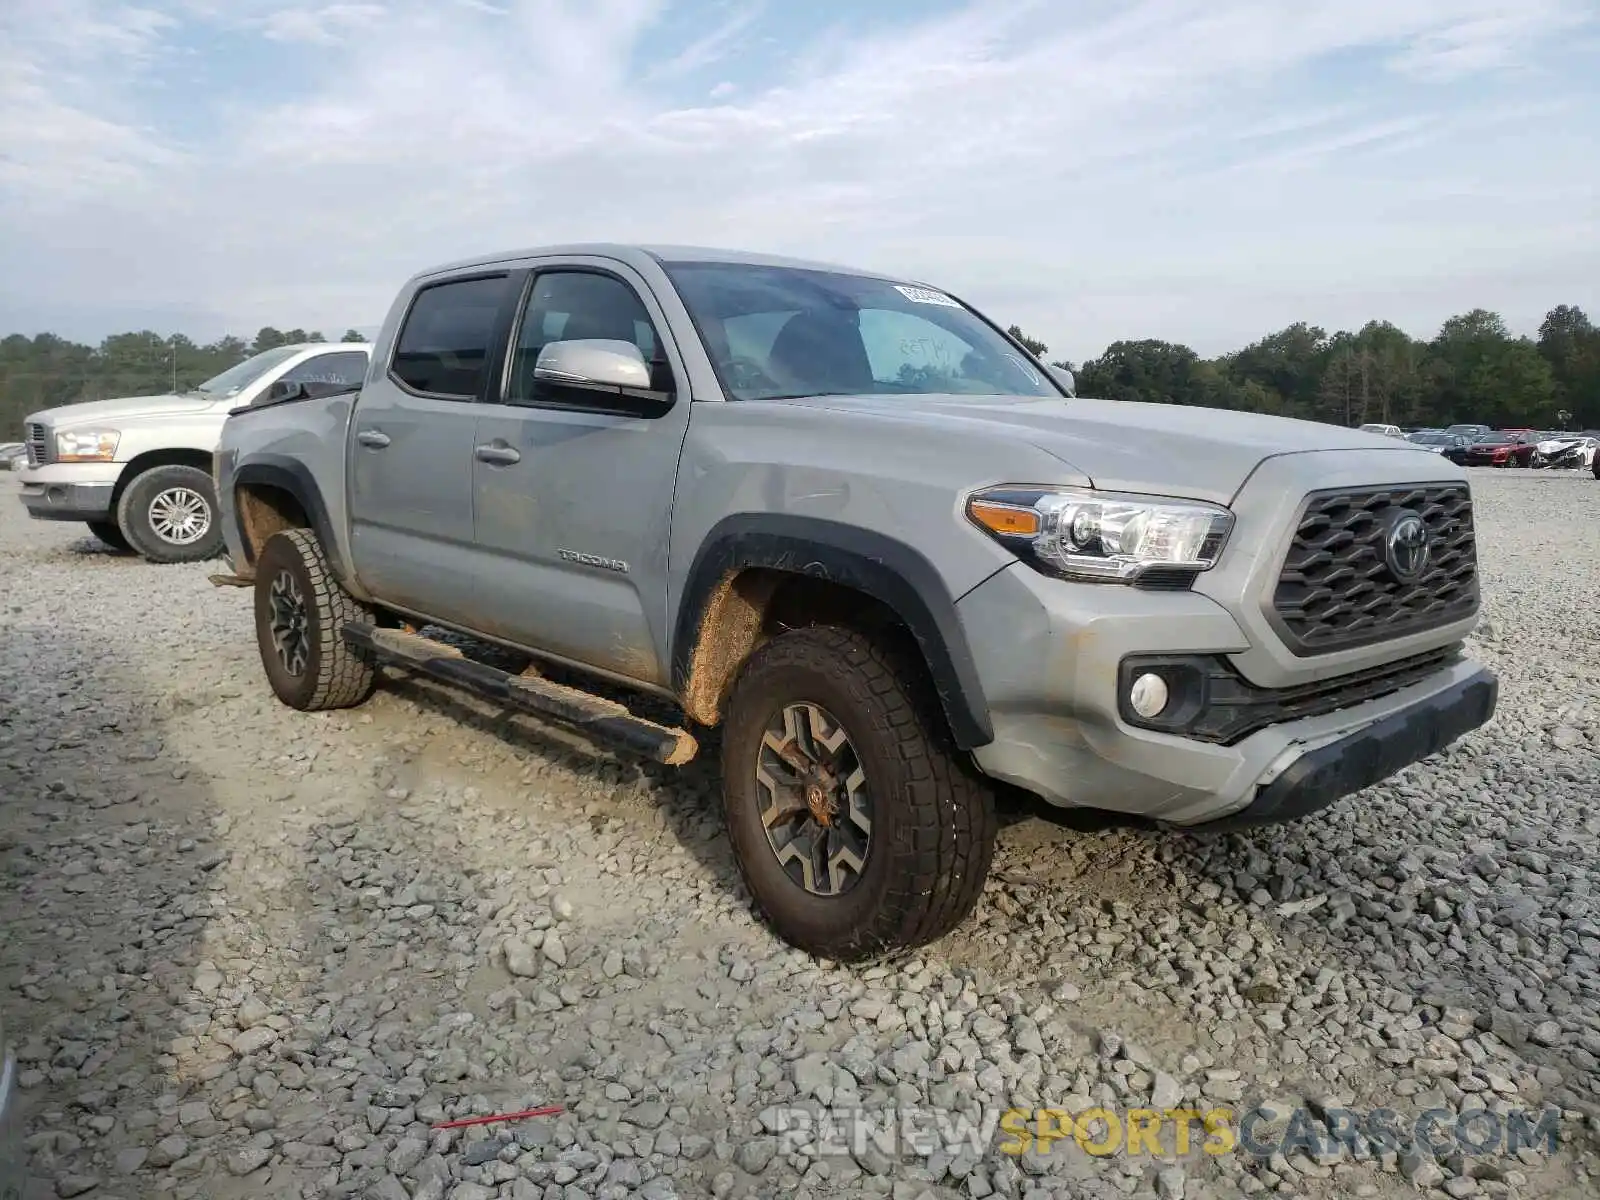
(1165, 449)
(124, 408)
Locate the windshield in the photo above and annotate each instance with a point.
(1495, 439)
(1430, 439)
(785, 332)
(236, 378)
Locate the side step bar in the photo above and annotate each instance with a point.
(593, 715)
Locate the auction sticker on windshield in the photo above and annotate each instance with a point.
(921, 295)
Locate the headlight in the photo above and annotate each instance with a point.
(1085, 534)
(86, 445)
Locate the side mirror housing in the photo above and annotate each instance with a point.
(1065, 378)
(598, 364)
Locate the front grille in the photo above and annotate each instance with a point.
(1236, 708)
(1336, 590)
(38, 442)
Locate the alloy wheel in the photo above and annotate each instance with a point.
(815, 806)
(290, 623)
(180, 516)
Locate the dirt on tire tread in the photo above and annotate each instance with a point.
(948, 836)
(345, 677)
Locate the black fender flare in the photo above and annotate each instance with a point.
(289, 475)
(873, 563)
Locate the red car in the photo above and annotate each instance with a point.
(1505, 448)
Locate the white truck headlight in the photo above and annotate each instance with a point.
(86, 445)
(1084, 534)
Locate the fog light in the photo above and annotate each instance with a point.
(1148, 695)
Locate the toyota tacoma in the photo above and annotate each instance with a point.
(849, 520)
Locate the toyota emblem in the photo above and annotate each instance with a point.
(1407, 547)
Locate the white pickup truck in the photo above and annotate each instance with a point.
(137, 470)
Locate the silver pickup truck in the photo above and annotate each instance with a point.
(851, 522)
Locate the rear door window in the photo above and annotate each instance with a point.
(444, 344)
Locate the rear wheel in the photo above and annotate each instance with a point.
(110, 534)
(301, 611)
(856, 827)
(168, 515)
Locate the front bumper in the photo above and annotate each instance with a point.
(1049, 656)
(70, 491)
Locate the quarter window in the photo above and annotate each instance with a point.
(444, 343)
(572, 305)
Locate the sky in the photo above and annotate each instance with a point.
(1204, 171)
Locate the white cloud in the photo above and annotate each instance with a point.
(1204, 170)
(327, 24)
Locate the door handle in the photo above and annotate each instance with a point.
(375, 438)
(498, 455)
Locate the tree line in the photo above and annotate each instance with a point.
(44, 371)
(1473, 369)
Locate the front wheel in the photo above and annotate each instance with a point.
(855, 825)
(110, 535)
(169, 515)
(301, 611)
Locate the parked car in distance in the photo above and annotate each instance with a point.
(1503, 449)
(11, 453)
(852, 522)
(137, 470)
(1470, 433)
(1393, 431)
(1433, 439)
(1569, 451)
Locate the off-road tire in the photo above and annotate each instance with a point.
(933, 816)
(135, 519)
(335, 674)
(110, 534)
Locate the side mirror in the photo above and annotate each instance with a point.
(1064, 377)
(600, 364)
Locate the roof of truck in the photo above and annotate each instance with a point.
(633, 252)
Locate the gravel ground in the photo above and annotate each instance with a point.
(254, 952)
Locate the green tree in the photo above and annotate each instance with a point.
(1485, 374)
(1570, 344)
(1150, 370)
(1289, 362)
(1034, 346)
(352, 335)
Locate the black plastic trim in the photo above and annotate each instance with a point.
(887, 570)
(292, 476)
(296, 398)
(1211, 702)
(1368, 755)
